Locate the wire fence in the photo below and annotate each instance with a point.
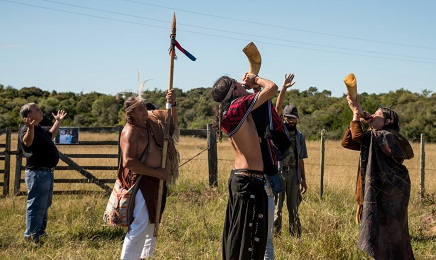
(330, 170)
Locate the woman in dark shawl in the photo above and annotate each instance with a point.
(383, 183)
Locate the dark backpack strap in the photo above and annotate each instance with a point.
(144, 154)
(269, 127)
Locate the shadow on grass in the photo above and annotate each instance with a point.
(71, 192)
(103, 233)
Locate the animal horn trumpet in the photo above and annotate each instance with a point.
(254, 58)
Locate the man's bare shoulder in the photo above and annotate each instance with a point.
(131, 132)
(127, 130)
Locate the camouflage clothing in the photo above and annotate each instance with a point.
(291, 160)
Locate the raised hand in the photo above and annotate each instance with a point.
(288, 81)
(354, 104)
(249, 79)
(60, 115)
(29, 122)
(171, 96)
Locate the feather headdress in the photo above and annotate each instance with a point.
(139, 98)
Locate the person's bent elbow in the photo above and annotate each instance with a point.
(273, 87)
(270, 89)
(27, 143)
(128, 162)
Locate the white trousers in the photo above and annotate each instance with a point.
(139, 241)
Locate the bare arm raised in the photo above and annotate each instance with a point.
(287, 83)
(269, 88)
(54, 130)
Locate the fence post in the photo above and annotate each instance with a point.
(18, 168)
(212, 156)
(7, 173)
(321, 186)
(120, 129)
(422, 166)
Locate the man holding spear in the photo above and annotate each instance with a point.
(169, 113)
(141, 145)
(148, 151)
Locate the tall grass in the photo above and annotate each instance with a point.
(194, 215)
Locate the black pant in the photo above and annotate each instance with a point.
(245, 227)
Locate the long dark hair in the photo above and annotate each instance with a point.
(219, 92)
(392, 115)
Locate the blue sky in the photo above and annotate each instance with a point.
(96, 45)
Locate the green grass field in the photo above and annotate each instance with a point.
(194, 216)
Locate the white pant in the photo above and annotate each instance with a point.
(139, 241)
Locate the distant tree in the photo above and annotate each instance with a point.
(35, 92)
(317, 110)
(105, 111)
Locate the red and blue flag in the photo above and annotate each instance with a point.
(189, 55)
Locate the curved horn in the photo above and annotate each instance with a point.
(254, 58)
(350, 82)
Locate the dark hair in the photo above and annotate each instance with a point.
(390, 114)
(219, 92)
(221, 87)
(150, 106)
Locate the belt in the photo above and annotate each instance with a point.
(45, 169)
(251, 174)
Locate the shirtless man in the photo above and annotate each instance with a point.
(142, 156)
(245, 227)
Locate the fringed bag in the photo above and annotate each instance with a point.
(119, 209)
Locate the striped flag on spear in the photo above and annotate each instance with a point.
(187, 53)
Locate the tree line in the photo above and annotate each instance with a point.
(317, 110)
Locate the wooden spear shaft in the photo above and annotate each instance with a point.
(166, 126)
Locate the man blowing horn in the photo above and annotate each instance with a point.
(245, 227)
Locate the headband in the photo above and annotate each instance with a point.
(229, 93)
(134, 105)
